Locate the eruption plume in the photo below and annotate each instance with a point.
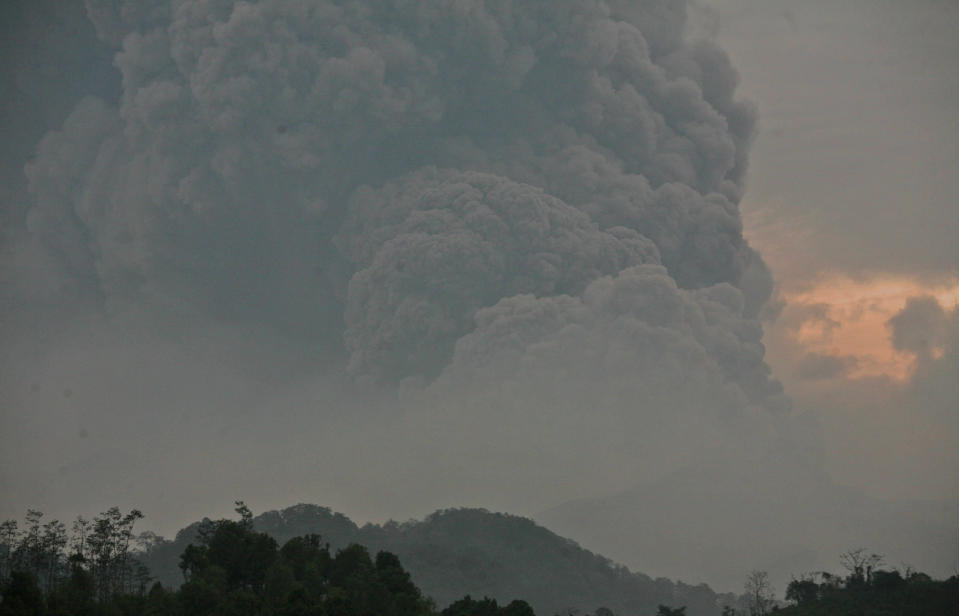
(374, 173)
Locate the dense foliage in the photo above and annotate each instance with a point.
(457, 552)
(46, 570)
(236, 570)
(230, 570)
(868, 591)
(467, 606)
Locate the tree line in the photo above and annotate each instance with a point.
(95, 554)
(868, 588)
(231, 570)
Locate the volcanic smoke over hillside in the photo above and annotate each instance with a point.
(517, 221)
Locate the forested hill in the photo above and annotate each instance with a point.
(456, 552)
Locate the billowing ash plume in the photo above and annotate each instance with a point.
(432, 250)
(695, 342)
(398, 176)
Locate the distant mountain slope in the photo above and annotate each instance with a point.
(711, 523)
(472, 551)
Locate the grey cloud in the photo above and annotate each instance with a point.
(876, 92)
(534, 203)
(930, 331)
(934, 387)
(629, 380)
(537, 201)
(796, 315)
(433, 248)
(636, 330)
(245, 132)
(114, 20)
(920, 327)
(816, 366)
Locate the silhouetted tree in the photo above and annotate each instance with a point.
(52, 544)
(860, 564)
(802, 591)
(77, 597)
(759, 593)
(8, 545)
(21, 596)
(518, 607)
(887, 580)
(242, 555)
(236, 570)
(108, 546)
(78, 540)
(467, 606)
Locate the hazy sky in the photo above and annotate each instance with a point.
(853, 201)
(853, 166)
(288, 252)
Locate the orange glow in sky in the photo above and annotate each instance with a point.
(844, 317)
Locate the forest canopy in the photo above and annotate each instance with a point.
(231, 568)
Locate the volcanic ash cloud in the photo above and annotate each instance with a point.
(386, 177)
